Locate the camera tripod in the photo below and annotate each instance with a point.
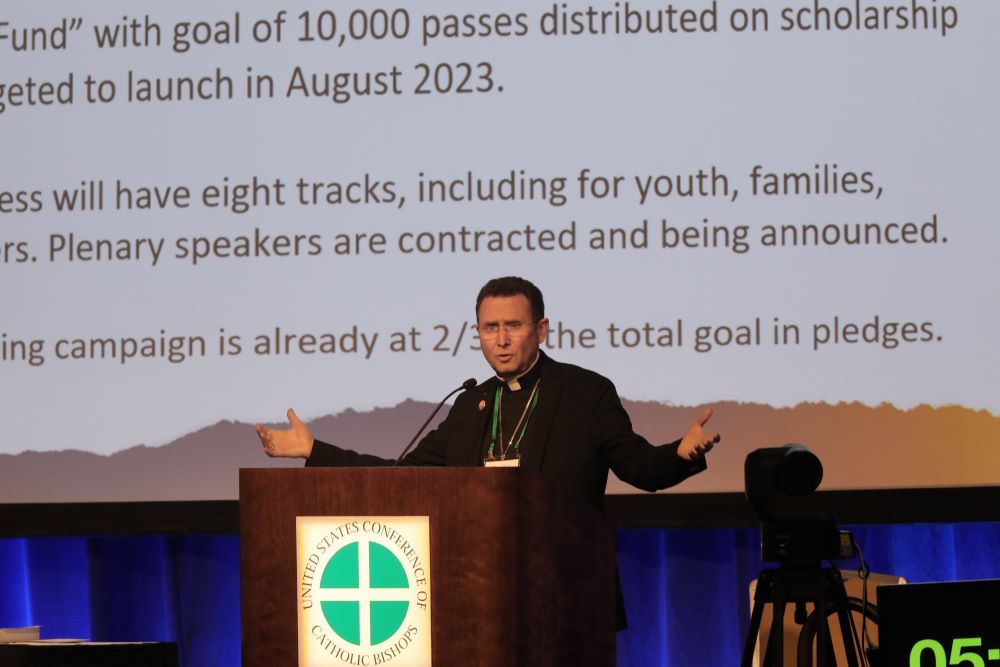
(799, 584)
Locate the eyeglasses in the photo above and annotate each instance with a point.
(512, 329)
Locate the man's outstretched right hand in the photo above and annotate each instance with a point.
(295, 441)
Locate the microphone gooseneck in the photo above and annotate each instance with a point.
(468, 384)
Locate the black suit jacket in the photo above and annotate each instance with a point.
(578, 431)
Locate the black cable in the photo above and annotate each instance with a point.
(864, 571)
(809, 629)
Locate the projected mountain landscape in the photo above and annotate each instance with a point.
(860, 446)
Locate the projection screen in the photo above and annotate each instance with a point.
(212, 212)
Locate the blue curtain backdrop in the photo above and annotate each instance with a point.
(685, 590)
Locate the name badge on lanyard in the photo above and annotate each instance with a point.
(505, 463)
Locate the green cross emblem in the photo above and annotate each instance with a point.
(364, 586)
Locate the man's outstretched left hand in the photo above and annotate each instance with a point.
(696, 442)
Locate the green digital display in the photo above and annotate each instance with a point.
(944, 624)
(963, 651)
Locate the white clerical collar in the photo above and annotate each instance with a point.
(513, 383)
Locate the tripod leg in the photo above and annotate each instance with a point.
(776, 637)
(839, 594)
(827, 658)
(763, 582)
(846, 629)
(823, 643)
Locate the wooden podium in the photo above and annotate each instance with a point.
(521, 575)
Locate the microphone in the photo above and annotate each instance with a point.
(468, 384)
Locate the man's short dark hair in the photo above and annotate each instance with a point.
(512, 286)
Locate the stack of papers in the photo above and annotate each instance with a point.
(28, 634)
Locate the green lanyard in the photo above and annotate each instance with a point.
(526, 416)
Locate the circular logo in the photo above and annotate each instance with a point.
(364, 593)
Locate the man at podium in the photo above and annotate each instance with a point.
(563, 420)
